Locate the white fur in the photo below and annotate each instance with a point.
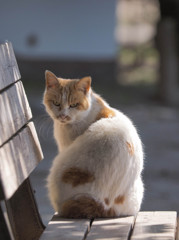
(101, 148)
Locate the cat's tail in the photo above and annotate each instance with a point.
(85, 207)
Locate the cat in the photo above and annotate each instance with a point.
(97, 172)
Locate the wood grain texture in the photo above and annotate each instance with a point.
(66, 229)
(23, 215)
(113, 229)
(14, 111)
(18, 158)
(155, 226)
(9, 71)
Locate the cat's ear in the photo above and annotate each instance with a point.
(84, 84)
(51, 80)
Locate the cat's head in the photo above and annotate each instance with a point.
(67, 100)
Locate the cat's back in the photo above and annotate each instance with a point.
(107, 138)
(117, 127)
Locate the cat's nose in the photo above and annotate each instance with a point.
(63, 116)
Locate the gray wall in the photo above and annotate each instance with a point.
(65, 29)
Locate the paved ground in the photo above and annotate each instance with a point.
(159, 130)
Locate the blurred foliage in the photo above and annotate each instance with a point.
(138, 65)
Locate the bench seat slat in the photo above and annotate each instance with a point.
(66, 229)
(9, 71)
(18, 158)
(14, 111)
(113, 229)
(155, 225)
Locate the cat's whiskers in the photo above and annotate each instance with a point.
(44, 126)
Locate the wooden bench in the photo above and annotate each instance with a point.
(20, 153)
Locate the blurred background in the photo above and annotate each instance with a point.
(130, 48)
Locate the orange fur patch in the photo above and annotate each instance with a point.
(76, 176)
(119, 200)
(130, 147)
(105, 112)
(85, 207)
(73, 95)
(84, 84)
(106, 200)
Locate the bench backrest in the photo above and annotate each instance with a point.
(20, 152)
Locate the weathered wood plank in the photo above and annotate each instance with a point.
(23, 217)
(14, 111)
(18, 158)
(9, 71)
(113, 229)
(155, 225)
(66, 229)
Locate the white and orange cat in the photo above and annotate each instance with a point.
(98, 170)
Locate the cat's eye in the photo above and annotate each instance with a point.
(74, 105)
(56, 103)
